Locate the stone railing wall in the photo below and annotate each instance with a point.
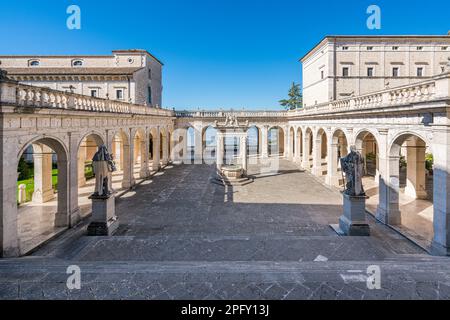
(222, 114)
(425, 91)
(20, 95)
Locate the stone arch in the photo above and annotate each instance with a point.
(338, 149)
(292, 146)
(140, 153)
(33, 224)
(121, 146)
(154, 138)
(409, 183)
(277, 133)
(320, 153)
(164, 145)
(254, 140)
(308, 143)
(209, 143)
(299, 144)
(366, 142)
(87, 146)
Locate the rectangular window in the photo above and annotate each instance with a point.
(322, 74)
(345, 72)
(420, 72)
(443, 48)
(94, 93)
(119, 94)
(344, 48)
(370, 72)
(419, 48)
(395, 72)
(150, 74)
(395, 48)
(369, 48)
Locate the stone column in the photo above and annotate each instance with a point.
(287, 144)
(317, 157)
(220, 150)
(297, 152)
(81, 165)
(333, 176)
(144, 172)
(260, 142)
(441, 189)
(305, 160)
(265, 142)
(416, 178)
(128, 165)
(165, 156)
(65, 191)
(198, 141)
(156, 151)
(43, 189)
(9, 241)
(388, 210)
(244, 155)
(73, 179)
(184, 142)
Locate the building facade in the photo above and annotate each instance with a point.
(344, 66)
(133, 76)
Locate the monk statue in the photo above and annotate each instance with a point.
(103, 165)
(353, 167)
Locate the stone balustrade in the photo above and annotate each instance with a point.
(13, 93)
(433, 89)
(221, 114)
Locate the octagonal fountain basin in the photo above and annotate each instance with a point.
(232, 171)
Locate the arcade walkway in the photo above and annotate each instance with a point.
(183, 236)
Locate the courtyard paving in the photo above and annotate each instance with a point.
(185, 236)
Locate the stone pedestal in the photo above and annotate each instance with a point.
(353, 221)
(104, 220)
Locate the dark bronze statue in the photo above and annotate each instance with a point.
(103, 165)
(353, 167)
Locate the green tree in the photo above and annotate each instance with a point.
(295, 99)
(24, 170)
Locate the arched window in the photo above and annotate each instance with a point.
(34, 63)
(77, 63)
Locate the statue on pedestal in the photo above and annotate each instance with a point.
(103, 165)
(353, 220)
(353, 167)
(104, 221)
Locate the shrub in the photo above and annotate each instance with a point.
(429, 161)
(24, 170)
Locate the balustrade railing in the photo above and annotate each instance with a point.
(404, 95)
(37, 97)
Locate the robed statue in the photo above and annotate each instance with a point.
(353, 167)
(103, 165)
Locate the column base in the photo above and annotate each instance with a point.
(391, 218)
(143, 174)
(333, 180)
(439, 250)
(416, 194)
(75, 217)
(43, 197)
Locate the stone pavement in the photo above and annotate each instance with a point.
(184, 237)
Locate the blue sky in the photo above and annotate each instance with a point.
(217, 53)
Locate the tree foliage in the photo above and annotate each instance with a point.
(295, 99)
